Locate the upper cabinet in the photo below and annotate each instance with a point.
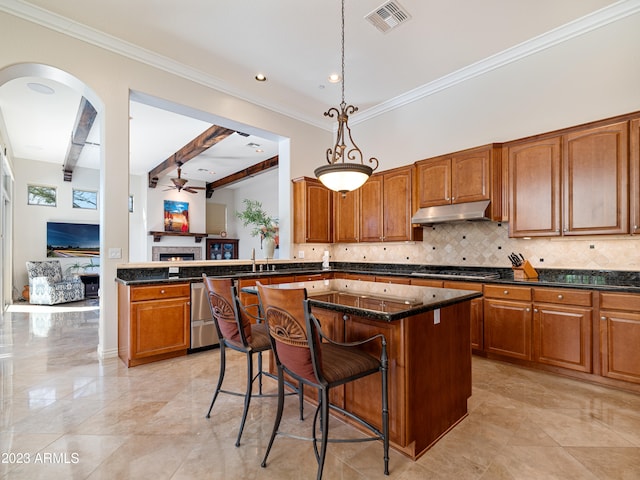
(312, 205)
(386, 207)
(346, 217)
(467, 176)
(571, 184)
(634, 174)
(534, 188)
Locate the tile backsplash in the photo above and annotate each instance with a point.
(488, 244)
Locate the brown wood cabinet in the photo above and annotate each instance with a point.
(153, 322)
(222, 249)
(386, 207)
(424, 358)
(467, 176)
(508, 321)
(620, 336)
(477, 312)
(562, 321)
(595, 180)
(570, 184)
(634, 175)
(534, 188)
(346, 217)
(312, 211)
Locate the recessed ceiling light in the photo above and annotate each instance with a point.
(261, 77)
(41, 88)
(334, 78)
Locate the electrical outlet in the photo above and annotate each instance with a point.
(301, 254)
(174, 269)
(436, 316)
(115, 253)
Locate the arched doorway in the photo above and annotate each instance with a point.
(24, 233)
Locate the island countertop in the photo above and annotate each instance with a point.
(375, 300)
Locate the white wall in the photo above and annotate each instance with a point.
(30, 221)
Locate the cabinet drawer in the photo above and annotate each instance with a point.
(156, 292)
(398, 280)
(562, 296)
(507, 292)
(620, 301)
(313, 277)
(476, 287)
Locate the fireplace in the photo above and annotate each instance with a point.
(175, 254)
(176, 257)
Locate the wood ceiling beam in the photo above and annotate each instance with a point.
(195, 147)
(242, 175)
(81, 128)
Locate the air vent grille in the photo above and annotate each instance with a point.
(388, 16)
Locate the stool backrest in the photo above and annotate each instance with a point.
(284, 314)
(231, 324)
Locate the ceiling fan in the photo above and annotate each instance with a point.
(179, 183)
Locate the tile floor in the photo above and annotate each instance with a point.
(67, 415)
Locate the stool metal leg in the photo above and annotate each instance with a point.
(220, 378)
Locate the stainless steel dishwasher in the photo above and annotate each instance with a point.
(203, 331)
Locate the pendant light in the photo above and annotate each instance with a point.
(346, 170)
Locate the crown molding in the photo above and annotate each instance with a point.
(580, 26)
(592, 21)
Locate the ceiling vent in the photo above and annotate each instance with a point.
(388, 16)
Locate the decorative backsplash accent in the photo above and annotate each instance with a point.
(487, 244)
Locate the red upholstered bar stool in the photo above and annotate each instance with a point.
(236, 332)
(302, 351)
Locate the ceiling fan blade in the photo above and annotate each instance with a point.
(189, 189)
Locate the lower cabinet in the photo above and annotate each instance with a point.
(562, 332)
(153, 322)
(508, 321)
(620, 336)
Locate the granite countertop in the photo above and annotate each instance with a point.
(375, 300)
(599, 280)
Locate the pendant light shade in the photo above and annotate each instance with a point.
(345, 170)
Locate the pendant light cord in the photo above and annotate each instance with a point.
(343, 102)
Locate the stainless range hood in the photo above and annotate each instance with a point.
(452, 213)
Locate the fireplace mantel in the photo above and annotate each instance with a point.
(157, 236)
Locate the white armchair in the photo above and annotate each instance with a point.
(47, 285)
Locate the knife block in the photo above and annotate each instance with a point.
(524, 271)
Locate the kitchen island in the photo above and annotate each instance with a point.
(428, 343)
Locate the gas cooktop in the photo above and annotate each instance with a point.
(463, 274)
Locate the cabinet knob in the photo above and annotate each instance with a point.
(506, 292)
(535, 310)
(162, 291)
(603, 318)
(560, 296)
(345, 317)
(527, 309)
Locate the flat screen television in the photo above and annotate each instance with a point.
(73, 240)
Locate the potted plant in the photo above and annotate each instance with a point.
(263, 224)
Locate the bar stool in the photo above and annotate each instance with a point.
(236, 332)
(302, 351)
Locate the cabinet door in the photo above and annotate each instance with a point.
(312, 203)
(159, 327)
(371, 208)
(595, 181)
(507, 328)
(397, 194)
(534, 188)
(434, 182)
(634, 169)
(619, 341)
(562, 336)
(346, 216)
(471, 176)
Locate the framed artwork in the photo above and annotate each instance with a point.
(39, 195)
(176, 216)
(85, 199)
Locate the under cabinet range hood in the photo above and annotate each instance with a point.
(452, 213)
